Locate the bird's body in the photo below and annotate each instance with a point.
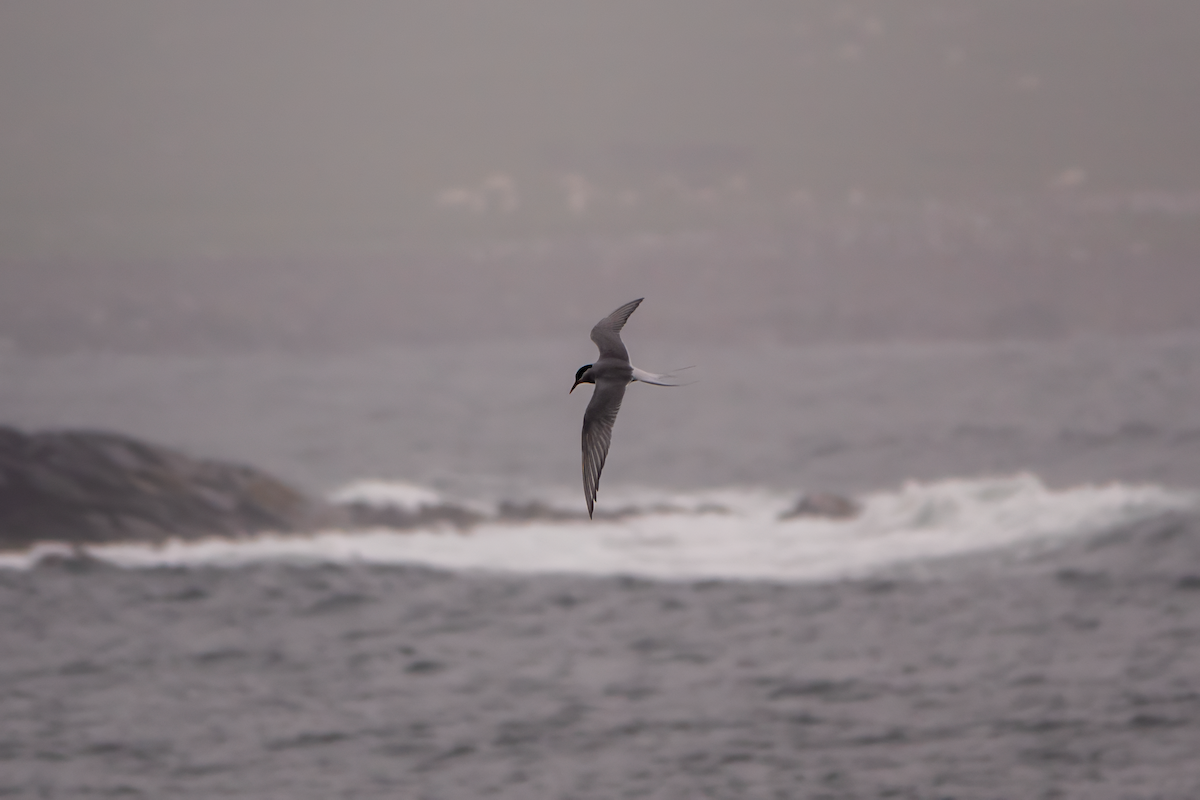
(611, 373)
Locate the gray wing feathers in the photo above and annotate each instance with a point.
(607, 332)
(597, 432)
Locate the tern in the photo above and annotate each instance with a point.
(611, 373)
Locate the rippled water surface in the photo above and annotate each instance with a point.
(1072, 674)
(1026, 625)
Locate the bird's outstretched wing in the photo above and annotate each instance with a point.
(597, 428)
(607, 333)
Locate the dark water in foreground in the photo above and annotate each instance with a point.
(1074, 674)
(1061, 673)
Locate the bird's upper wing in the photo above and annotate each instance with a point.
(597, 431)
(607, 333)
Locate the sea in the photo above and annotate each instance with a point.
(1011, 613)
(949, 448)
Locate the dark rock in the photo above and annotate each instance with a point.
(824, 504)
(368, 515)
(534, 510)
(88, 487)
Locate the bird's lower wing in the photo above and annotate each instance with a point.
(597, 434)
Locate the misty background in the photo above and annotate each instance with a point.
(940, 258)
(225, 176)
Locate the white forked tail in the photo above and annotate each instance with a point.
(665, 379)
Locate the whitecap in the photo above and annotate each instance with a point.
(726, 533)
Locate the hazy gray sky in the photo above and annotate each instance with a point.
(287, 171)
(165, 126)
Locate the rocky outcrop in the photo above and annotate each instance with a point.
(824, 504)
(88, 487)
(367, 515)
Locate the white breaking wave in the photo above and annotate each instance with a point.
(717, 534)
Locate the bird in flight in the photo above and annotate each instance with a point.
(611, 373)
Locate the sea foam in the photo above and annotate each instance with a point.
(727, 533)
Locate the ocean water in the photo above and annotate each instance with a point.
(722, 534)
(1013, 614)
(948, 447)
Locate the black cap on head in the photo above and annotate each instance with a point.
(579, 377)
